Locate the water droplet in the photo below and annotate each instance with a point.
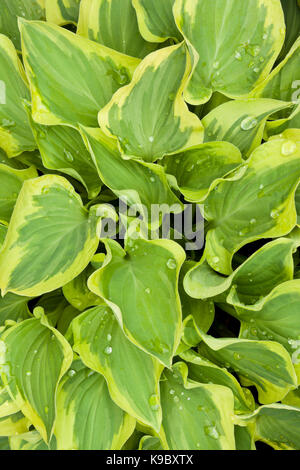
(253, 331)
(253, 50)
(253, 221)
(71, 373)
(154, 402)
(7, 123)
(28, 374)
(148, 291)
(238, 55)
(215, 260)
(216, 64)
(108, 337)
(68, 155)
(211, 431)
(188, 398)
(256, 69)
(172, 392)
(274, 214)
(248, 123)
(108, 350)
(288, 148)
(151, 138)
(265, 36)
(236, 356)
(171, 263)
(176, 399)
(152, 179)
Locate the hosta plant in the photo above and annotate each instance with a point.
(149, 224)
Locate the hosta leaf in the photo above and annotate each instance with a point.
(62, 12)
(278, 319)
(148, 116)
(15, 132)
(62, 149)
(203, 371)
(113, 24)
(197, 168)
(280, 83)
(136, 183)
(264, 364)
(241, 122)
(87, 418)
(13, 307)
(150, 443)
(66, 318)
(80, 78)
(140, 285)
(11, 182)
(34, 356)
(280, 125)
(7, 405)
(4, 443)
(195, 416)
(255, 278)
(277, 425)
(131, 374)
(13, 424)
(244, 439)
(292, 398)
(258, 205)
(291, 11)
(156, 20)
(226, 39)
(196, 313)
(53, 303)
(28, 441)
(12, 9)
(77, 292)
(47, 208)
(3, 231)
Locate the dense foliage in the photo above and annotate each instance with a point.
(150, 340)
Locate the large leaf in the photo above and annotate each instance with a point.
(292, 122)
(136, 183)
(16, 423)
(11, 182)
(87, 418)
(264, 364)
(258, 205)
(76, 77)
(197, 168)
(62, 149)
(291, 11)
(12, 9)
(77, 292)
(156, 20)
(203, 371)
(31, 440)
(241, 122)
(113, 24)
(140, 285)
(148, 116)
(195, 416)
(255, 278)
(131, 374)
(15, 133)
(47, 209)
(62, 12)
(34, 356)
(229, 38)
(277, 425)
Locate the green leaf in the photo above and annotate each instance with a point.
(34, 356)
(53, 304)
(62, 149)
(203, 371)
(87, 418)
(12, 9)
(62, 12)
(244, 438)
(140, 285)
(195, 416)
(11, 182)
(3, 232)
(77, 292)
(149, 116)
(136, 183)
(156, 21)
(280, 125)
(113, 24)
(229, 39)
(31, 440)
(280, 83)
(13, 424)
(131, 374)
(277, 425)
(197, 168)
(47, 209)
(80, 78)
(150, 443)
(241, 122)
(255, 278)
(258, 205)
(13, 307)
(15, 133)
(264, 364)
